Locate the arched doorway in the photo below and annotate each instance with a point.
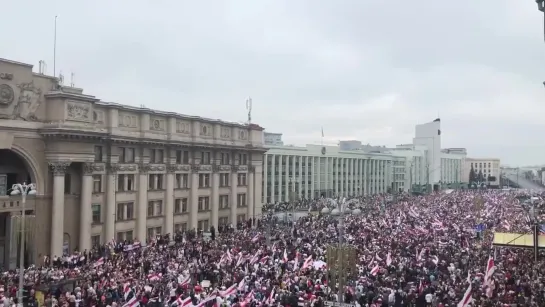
(14, 168)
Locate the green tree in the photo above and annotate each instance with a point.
(480, 176)
(472, 175)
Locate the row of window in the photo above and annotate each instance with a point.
(126, 210)
(203, 225)
(127, 155)
(127, 182)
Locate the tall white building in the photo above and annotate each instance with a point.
(313, 171)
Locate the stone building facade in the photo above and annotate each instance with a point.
(107, 171)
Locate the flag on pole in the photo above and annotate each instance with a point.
(322, 131)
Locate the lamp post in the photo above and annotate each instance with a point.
(292, 182)
(340, 252)
(23, 190)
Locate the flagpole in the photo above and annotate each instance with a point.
(322, 138)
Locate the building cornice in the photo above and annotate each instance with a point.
(63, 134)
(80, 97)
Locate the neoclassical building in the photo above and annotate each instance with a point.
(107, 171)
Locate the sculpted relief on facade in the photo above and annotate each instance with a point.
(78, 111)
(19, 101)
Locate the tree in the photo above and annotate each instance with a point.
(472, 175)
(480, 176)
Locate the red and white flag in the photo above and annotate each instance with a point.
(490, 269)
(374, 271)
(99, 262)
(467, 298)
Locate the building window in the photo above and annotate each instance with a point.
(98, 153)
(224, 179)
(204, 180)
(124, 236)
(125, 182)
(154, 231)
(205, 157)
(155, 208)
(241, 200)
(241, 179)
(204, 203)
(225, 158)
(182, 181)
(155, 182)
(95, 241)
(180, 205)
(242, 159)
(127, 155)
(241, 218)
(223, 221)
(180, 227)
(156, 156)
(97, 183)
(125, 211)
(202, 225)
(96, 214)
(185, 157)
(224, 201)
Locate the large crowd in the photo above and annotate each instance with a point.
(432, 250)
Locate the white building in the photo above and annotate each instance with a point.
(490, 167)
(355, 169)
(314, 170)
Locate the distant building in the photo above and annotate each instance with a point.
(272, 139)
(490, 168)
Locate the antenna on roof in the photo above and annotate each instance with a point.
(72, 81)
(249, 109)
(142, 106)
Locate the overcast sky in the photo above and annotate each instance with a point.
(363, 69)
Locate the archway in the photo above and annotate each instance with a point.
(15, 168)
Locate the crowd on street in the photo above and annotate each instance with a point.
(431, 250)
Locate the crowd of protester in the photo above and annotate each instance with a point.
(414, 251)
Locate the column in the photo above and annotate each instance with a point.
(111, 188)
(233, 202)
(194, 211)
(169, 201)
(313, 184)
(273, 179)
(280, 190)
(258, 178)
(336, 175)
(10, 246)
(327, 176)
(319, 167)
(341, 176)
(141, 209)
(215, 196)
(287, 177)
(250, 196)
(266, 178)
(57, 216)
(307, 177)
(301, 178)
(85, 208)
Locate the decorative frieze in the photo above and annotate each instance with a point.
(127, 120)
(234, 168)
(58, 168)
(157, 167)
(157, 124)
(206, 168)
(143, 168)
(225, 133)
(242, 134)
(112, 168)
(215, 168)
(183, 127)
(242, 168)
(206, 130)
(78, 111)
(195, 168)
(171, 168)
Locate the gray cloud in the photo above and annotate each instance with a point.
(367, 70)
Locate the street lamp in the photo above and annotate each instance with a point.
(342, 254)
(23, 190)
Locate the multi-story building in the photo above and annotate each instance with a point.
(314, 171)
(489, 167)
(107, 171)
